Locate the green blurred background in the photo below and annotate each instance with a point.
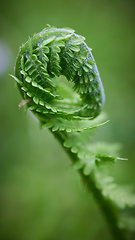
(41, 195)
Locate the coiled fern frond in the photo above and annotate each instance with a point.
(71, 110)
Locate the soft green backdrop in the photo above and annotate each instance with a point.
(41, 195)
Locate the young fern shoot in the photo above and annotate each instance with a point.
(72, 111)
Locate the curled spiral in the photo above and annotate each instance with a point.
(68, 108)
(46, 56)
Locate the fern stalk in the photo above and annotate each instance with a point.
(72, 112)
(106, 207)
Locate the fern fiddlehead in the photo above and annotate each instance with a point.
(71, 111)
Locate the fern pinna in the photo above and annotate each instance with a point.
(71, 112)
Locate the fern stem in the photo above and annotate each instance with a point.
(107, 209)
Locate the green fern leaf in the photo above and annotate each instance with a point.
(72, 113)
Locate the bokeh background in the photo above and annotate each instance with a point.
(41, 195)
